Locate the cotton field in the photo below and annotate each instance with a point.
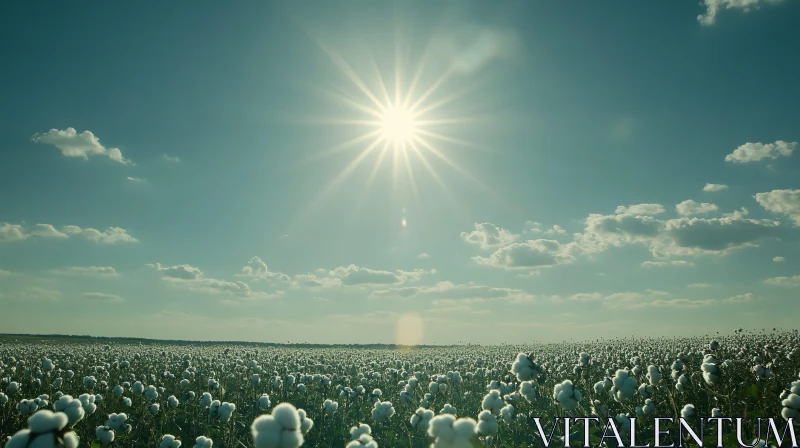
(74, 393)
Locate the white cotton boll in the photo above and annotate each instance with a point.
(365, 441)
(57, 382)
(169, 441)
(138, 388)
(43, 427)
(213, 384)
(566, 396)
(71, 407)
(154, 408)
(116, 421)
(492, 402)
(625, 386)
(118, 391)
(688, 411)
(330, 407)
(87, 401)
(421, 419)
(791, 407)
(653, 375)
(649, 407)
(263, 402)
(225, 411)
(173, 402)
(507, 414)
(451, 433)
(3, 399)
(711, 370)
(151, 393)
(185, 383)
(682, 383)
(382, 410)
(301, 388)
(127, 401)
(206, 399)
(646, 390)
(358, 431)
(13, 388)
(27, 407)
(716, 413)
(203, 442)
(279, 430)
(105, 435)
(89, 381)
(525, 368)
(487, 423)
(255, 380)
(599, 409)
(448, 409)
(599, 387)
(624, 423)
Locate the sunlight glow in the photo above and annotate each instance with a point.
(399, 126)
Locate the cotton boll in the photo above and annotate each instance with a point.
(566, 396)
(646, 390)
(487, 423)
(127, 401)
(279, 430)
(791, 407)
(118, 391)
(169, 441)
(599, 409)
(653, 374)
(421, 419)
(44, 430)
(451, 433)
(105, 435)
(154, 408)
(206, 399)
(3, 399)
(599, 387)
(711, 370)
(89, 381)
(116, 421)
(138, 388)
(27, 407)
(525, 368)
(448, 409)
(507, 414)
(330, 407)
(71, 407)
(358, 431)
(151, 393)
(203, 442)
(716, 413)
(173, 402)
(492, 402)
(57, 382)
(625, 386)
(12, 389)
(365, 441)
(382, 410)
(263, 402)
(649, 407)
(225, 411)
(688, 411)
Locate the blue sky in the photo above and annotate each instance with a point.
(180, 170)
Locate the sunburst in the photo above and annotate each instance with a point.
(402, 121)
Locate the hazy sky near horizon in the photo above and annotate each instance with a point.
(373, 172)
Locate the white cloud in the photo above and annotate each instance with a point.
(100, 271)
(315, 281)
(34, 294)
(713, 8)
(690, 207)
(17, 232)
(785, 202)
(102, 297)
(793, 281)
(741, 298)
(715, 187)
(535, 227)
(257, 269)
(467, 293)
(353, 276)
(423, 256)
(136, 179)
(778, 259)
(754, 152)
(192, 278)
(80, 145)
(640, 209)
(530, 254)
(11, 232)
(487, 236)
(699, 285)
(661, 264)
(169, 158)
(682, 303)
(5, 273)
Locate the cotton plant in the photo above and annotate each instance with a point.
(493, 402)
(487, 424)
(45, 429)
(448, 409)
(203, 442)
(104, 435)
(382, 411)
(624, 385)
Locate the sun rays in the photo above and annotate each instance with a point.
(406, 124)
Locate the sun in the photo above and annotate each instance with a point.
(399, 126)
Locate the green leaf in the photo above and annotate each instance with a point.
(96, 444)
